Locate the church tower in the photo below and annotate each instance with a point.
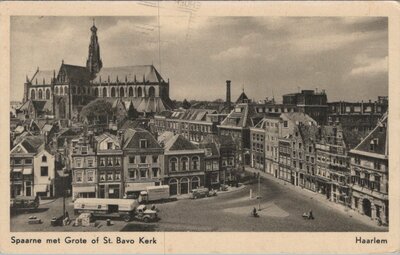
(94, 63)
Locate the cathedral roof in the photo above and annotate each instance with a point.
(129, 73)
(76, 74)
(42, 77)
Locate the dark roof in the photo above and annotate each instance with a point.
(128, 74)
(177, 143)
(210, 145)
(378, 137)
(132, 139)
(309, 132)
(242, 98)
(220, 140)
(77, 74)
(32, 143)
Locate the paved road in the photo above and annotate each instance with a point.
(281, 211)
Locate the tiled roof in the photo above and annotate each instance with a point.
(377, 138)
(103, 136)
(132, 139)
(165, 136)
(129, 73)
(177, 143)
(32, 143)
(247, 117)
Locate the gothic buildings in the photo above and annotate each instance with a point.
(62, 95)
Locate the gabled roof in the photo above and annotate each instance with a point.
(128, 74)
(104, 136)
(242, 98)
(178, 143)
(132, 139)
(76, 74)
(47, 128)
(32, 143)
(220, 140)
(165, 136)
(246, 117)
(376, 141)
(298, 117)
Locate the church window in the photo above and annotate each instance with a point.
(47, 94)
(33, 94)
(112, 92)
(56, 90)
(73, 90)
(139, 91)
(83, 90)
(40, 94)
(61, 91)
(66, 90)
(152, 92)
(104, 92)
(79, 90)
(121, 92)
(96, 92)
(130, 92)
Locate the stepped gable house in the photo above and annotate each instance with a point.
(65, 93)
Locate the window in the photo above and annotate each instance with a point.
(132, 173)
(78, 162)
(377, 165)
(44, 158)
(28, 161)
(102, 176)
(215, 165)
(184, 164)
(84, 149)
(90, 176)
(109, 162)
(143, 144)
(285, 124)
(143, 173)
(155, 159)
(142, 159)
(109, 176)
(78, 176)
(117, 175)
(44, 171)
(90, 162)
(155, 172)
(17, 161)
(117, 161)
(109, 145)
(195, 163)
(131, 159)
(172, 164)
(208, 166)
(230, 161)
(102, 161)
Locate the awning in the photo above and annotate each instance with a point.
(41, 188)
(138, 186)
(27, 171)
(17, 170)
(83, 189)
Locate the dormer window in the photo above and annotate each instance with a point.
(109, 145)
(44, 159)
(143, 143)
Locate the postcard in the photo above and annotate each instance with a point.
(200, 127)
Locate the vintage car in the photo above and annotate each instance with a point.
(24, 202)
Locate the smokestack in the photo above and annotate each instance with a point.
(228, 94)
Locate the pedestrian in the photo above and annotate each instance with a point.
(66, 215)
(310, 215)
(254, 211)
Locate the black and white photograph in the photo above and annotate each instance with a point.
(186, 122)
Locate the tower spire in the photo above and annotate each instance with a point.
(94, 63)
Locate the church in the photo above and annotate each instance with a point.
(62, 95)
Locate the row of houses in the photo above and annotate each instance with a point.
(345, 166)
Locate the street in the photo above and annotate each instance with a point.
(281, 210)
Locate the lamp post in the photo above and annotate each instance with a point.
(259, 193)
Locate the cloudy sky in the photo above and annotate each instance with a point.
(268, 56)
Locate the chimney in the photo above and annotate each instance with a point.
(228, 94)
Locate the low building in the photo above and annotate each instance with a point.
(32, 169)
(184, 164)
(370, 174)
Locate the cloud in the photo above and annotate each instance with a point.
(370, 66)
(239, 52)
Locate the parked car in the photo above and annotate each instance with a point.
(24, 202)
(145, 215)
(202, 192)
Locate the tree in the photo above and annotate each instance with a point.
(186, 104)
(99, 109)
